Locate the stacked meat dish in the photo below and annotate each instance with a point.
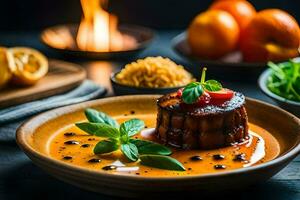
(209, 126)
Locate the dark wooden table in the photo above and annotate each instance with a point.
(21, 179)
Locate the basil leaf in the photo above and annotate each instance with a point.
(99, 129)
(124, 138)
(100, 117)
(131, 127)
(192, 92)
(130, 151)
(161, 162)
(148, 147)
(212, 85)
(106, 146)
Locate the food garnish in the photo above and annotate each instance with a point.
(119, 137)
(284, 80)
(154, 72)
(203, 91)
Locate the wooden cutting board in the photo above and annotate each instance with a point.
(62, 76)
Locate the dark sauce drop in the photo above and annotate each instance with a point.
(195, 158)
(91, 139)
(94, 160)
(68, 134)
(132, 112)
(67, 157)
(137, 173)
(218, 157)
(109, 167)
(239, 157)
(71, 142)
(220, 167)
(85, 145)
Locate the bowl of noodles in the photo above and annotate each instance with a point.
(151, 75)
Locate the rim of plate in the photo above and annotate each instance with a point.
(22, 142)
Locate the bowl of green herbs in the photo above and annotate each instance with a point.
(281, 82)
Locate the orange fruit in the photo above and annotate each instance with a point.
(212, 34)
(272, 34)
(241, 10)
(29, 65)
(5, 71)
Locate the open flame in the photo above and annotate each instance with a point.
(98, 29)
(97, 32)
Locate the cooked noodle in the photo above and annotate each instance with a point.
(154, 72)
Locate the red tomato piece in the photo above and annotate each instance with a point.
(179, 92)
(204, 99)
(224, 94)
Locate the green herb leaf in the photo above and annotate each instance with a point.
(212, 85)
(148, 147)
(99, 129)
(130, 151)
(161, 162)
(100, 117)
(284, 79)
(131, 127)
(106, 146)
(124, 137)
(192, 92)
(279, 72)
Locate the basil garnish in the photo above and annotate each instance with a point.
(194, 90)
(100, 117)
(119, 138)
(132, 127)
(212, 85)
(148, 147)
(130, 151)
(99, 129)
(162, 162)
(106, 146)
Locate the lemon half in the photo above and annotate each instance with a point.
(28, 65)
(5, 71)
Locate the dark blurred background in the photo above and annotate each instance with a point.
(161, 14)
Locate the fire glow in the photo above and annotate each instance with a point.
(97, 31)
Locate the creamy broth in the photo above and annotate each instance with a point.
(73, 146)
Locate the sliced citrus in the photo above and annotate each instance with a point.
(5, 71)
(29, 65)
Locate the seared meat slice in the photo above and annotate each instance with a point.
(201, 127)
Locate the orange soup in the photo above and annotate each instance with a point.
(73, 146)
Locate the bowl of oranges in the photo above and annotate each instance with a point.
(231, 35)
